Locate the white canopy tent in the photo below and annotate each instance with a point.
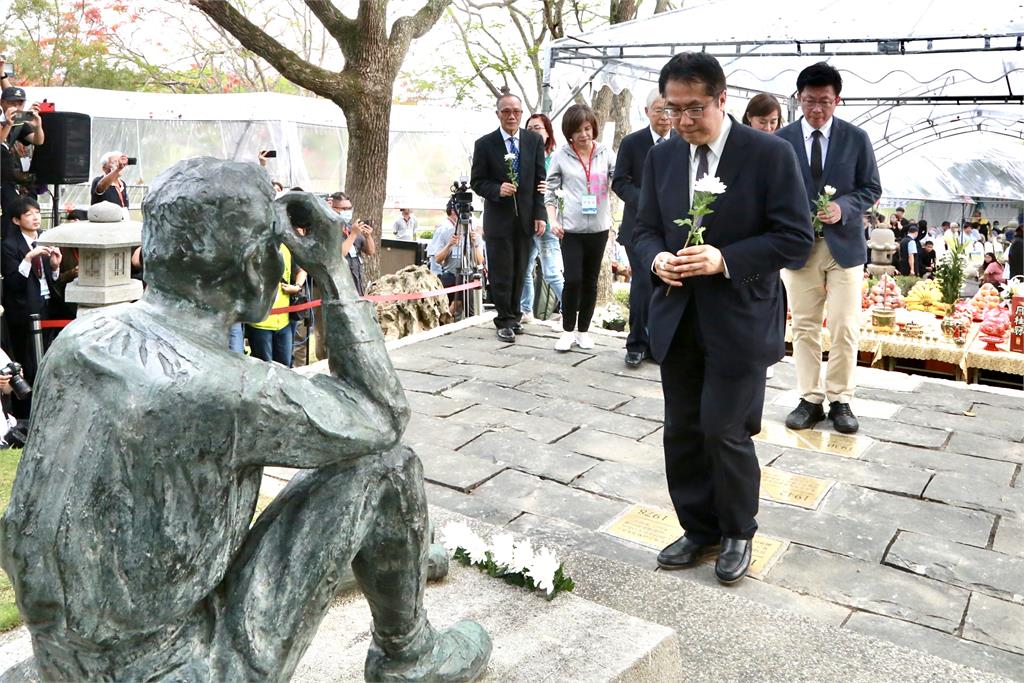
(429, 146)
(915, 73)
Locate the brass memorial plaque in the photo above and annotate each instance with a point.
(845, 445)
(793, 489)
(655, 528)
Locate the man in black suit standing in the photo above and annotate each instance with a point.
(716, 318)
(629, 171)
(513, 211)
(832, 153)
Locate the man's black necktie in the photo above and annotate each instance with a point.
(702, 162)
(514, 150)
(816, 158)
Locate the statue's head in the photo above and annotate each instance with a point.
(208, 237)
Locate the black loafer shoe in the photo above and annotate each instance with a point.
(805, 415)
(842, 418)
(733, 560)
(517, 328)
(684, 552)
(634, 358)
(506, 335)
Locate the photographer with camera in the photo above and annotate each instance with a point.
(110, 187)
(16, 125)
(358, 238)
(445, 253)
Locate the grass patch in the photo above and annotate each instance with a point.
(9, 617)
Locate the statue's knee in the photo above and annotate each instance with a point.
(403, 462)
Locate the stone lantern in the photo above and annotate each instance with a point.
(882, 245)
(104, 244)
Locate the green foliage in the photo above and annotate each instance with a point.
(622, 297)
(9, 617)
(425, 234)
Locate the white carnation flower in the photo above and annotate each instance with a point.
(829, 190)
(709, 183)
(543, 569)
(510, 157)
(503, 550)
(458, 535)
(477, 550)
(522, 557)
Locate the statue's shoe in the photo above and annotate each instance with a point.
(459, 653)
(437, 562)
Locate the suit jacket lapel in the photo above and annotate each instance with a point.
(729, 165)
(677, 206)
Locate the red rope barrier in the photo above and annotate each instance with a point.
(378, 298)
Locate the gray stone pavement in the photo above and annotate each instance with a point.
(918, 538)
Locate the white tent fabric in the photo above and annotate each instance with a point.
(429, 146)
(966, 57)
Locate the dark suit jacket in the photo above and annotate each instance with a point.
(629, 171)
(760, 224)
(21, 294)
(489, 172)
(850, 168)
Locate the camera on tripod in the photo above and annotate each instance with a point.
(461, 200)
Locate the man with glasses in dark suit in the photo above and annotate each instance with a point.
(508, 167)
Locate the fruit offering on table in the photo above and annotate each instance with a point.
(885, 292)
(925, 296)
(996, 323)
(986, 299)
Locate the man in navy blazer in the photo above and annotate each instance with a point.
(716, 317)
(836, 154)
(513, 212)
(626, 181)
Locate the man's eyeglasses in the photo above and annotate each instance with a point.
(511, 112)
(693, 113)
(817, 104)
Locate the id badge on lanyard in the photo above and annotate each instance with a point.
(588, 204)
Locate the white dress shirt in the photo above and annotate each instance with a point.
(25, 267)
(714, 156)
(506, 137)
(826, 133)
(655, 137)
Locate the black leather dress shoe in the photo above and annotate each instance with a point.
(842, 418)
(805, 415)
(681, 553)
(634, 358)
(506, 335)
(733, 560)
(517, 328)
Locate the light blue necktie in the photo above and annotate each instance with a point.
(514, 150)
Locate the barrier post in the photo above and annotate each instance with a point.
(37, 338)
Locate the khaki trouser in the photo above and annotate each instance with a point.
(823, 285)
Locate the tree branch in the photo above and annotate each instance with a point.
(337, 24)
(309, 76)
(406, 29)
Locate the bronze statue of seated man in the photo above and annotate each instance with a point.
(128, 534)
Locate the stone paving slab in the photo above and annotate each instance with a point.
(557, 533)
(477, 356)
(645, 408)
(976, 569)
(618, 383)
(931, 400)
(871, 587)
(872, 475)
(471, 506)
(614, 448)
(1009, 537)
(520, 452)
(522, 353)
(973, 527)
(455, 469)
(615, 365)
(549, 499)
(1002, 427)
(628, 482)
(862, 407)
(1000, 472)
(558, 389)
(655, 438)
(488, 395)
(995, 622)
(965, 491)
(886, 430)
(983, 657)
(406, 359)
(544, 429)
(584, 415)
(986, 447)
(433, 431)
(861, 539)
(427, 384)
(507, 376)
(435, 406)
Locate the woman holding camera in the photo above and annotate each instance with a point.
(109, 187)
(579, 212)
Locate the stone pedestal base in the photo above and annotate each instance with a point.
(878, 271)
(103, 296)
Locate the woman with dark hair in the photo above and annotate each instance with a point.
(579, 212)
(546, 245)
(991, 270)
(763, 113)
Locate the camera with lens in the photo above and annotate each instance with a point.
(461, 200)
(19, 386)
(131, 161)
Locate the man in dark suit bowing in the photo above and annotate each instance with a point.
(716, 317)
(513, 207)
(629, 171)
(832, 153)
